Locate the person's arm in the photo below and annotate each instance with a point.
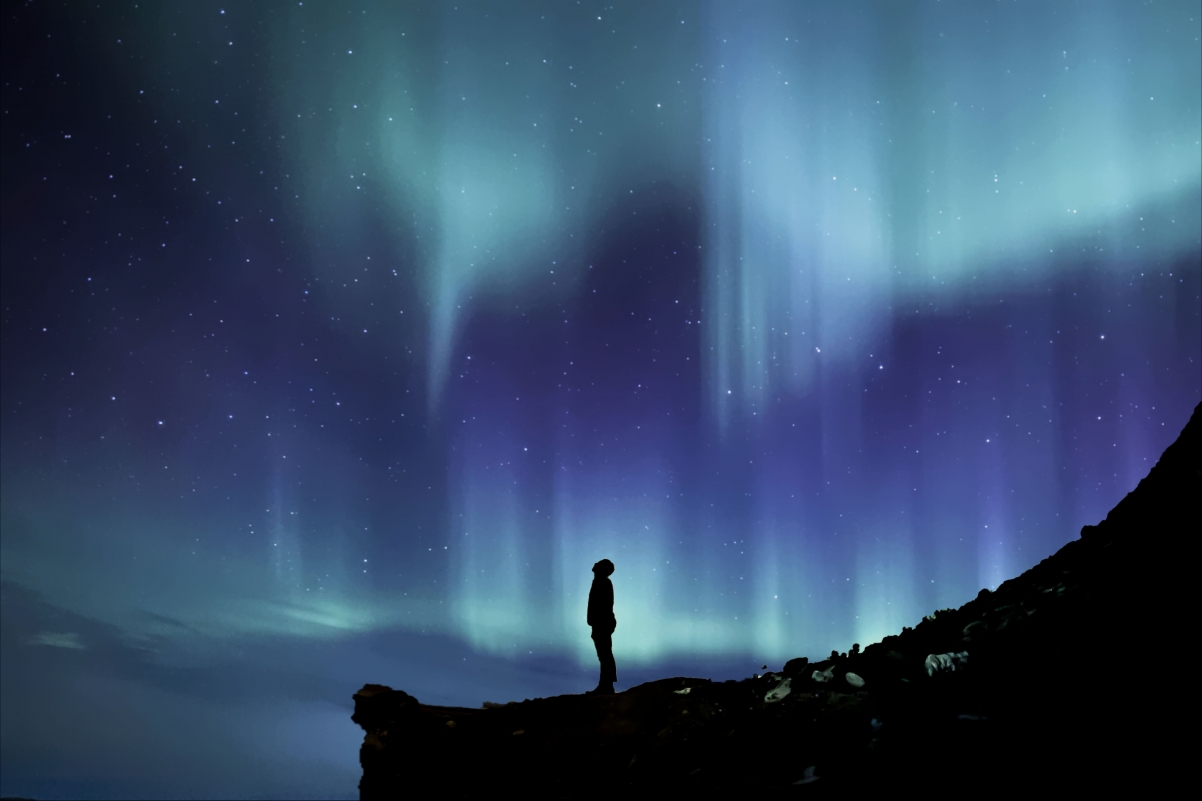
(592, 604)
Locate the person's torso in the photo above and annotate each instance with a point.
(601, 601)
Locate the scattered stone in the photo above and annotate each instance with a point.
(779, 692)
(808, 777)
(974, 628)
(794, 667)
(945, 663)
(854, 680)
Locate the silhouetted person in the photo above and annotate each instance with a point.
(601, 618)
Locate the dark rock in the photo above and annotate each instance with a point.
(796, 667)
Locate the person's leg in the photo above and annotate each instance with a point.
(603, 640)
(609, 669)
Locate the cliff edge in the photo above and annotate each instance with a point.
(1073, 675)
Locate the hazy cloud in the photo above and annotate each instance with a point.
(56, 639)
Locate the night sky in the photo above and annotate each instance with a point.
(340, 339)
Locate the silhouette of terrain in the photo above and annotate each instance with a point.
(1074, 676)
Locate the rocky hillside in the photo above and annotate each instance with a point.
(1073, 675)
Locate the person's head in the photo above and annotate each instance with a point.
(604, 568)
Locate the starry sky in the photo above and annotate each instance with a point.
(340, 339)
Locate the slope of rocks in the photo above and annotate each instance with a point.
(1075, 675)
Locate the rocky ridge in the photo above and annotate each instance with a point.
(1064, 676)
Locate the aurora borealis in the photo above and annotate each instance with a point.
(339, 341)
